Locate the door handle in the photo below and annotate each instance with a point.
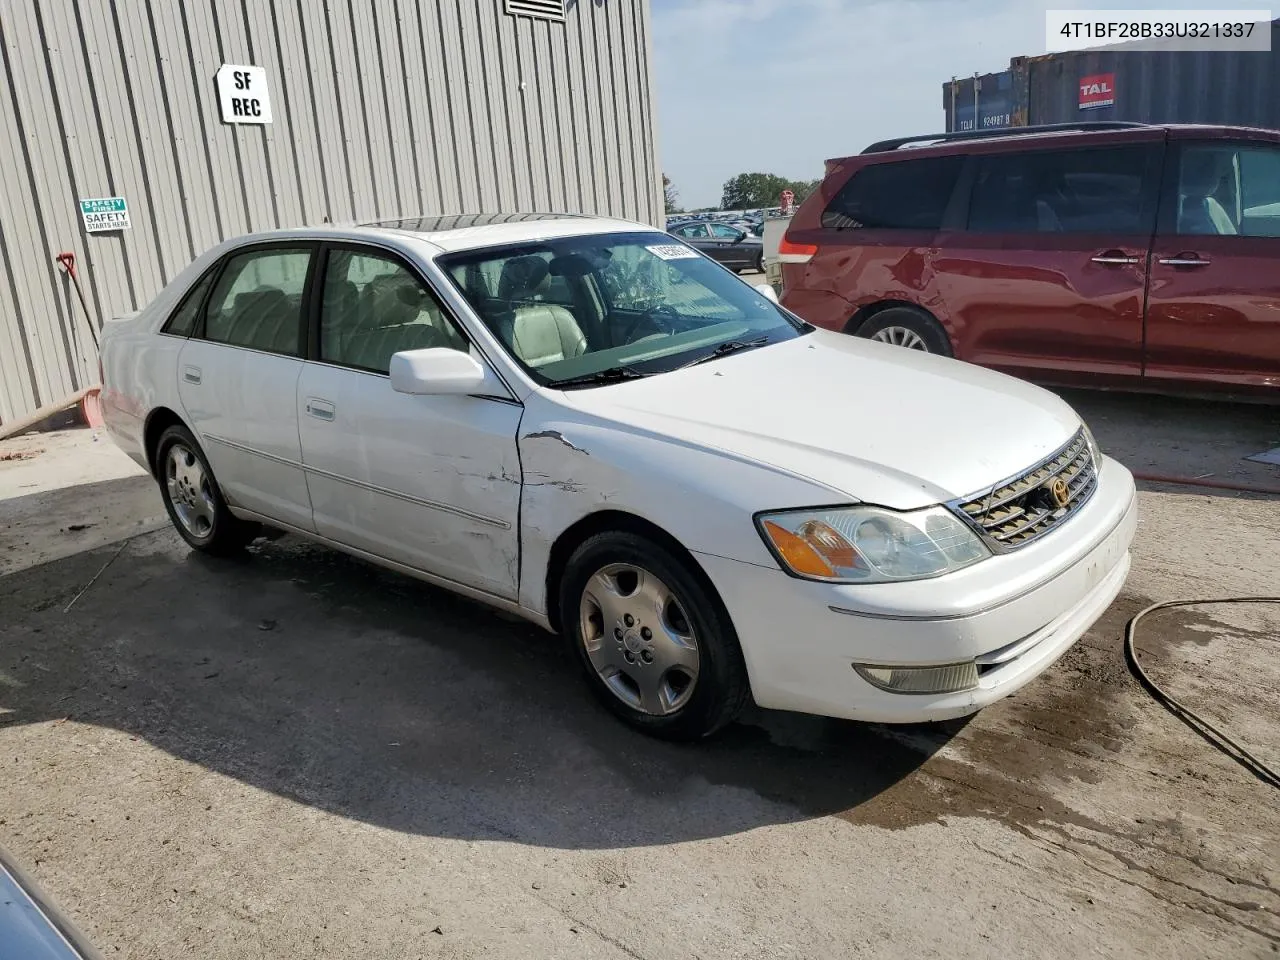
(191, 374)
(320, 409)
(1184, 260)
(1115, 258)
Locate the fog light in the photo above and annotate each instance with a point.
(947, 678)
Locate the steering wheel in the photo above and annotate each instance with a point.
(656, 315)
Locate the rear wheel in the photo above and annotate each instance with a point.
(655, 644)
(905, 327)
(192, 498)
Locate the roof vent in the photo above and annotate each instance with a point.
(541, 9)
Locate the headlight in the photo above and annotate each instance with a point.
(870, 544)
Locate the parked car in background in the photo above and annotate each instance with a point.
(587, 423)
(1118, 255)
(735, 248)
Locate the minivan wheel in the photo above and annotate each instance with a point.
(655, 644)
(192, 498)
(904, 327)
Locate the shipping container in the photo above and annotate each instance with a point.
(980, 102)
(1150, 86)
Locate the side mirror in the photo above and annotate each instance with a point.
(766, 290)
(434, 371)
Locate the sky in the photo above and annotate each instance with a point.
(779, 86)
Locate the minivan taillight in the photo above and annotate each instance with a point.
(792, 252)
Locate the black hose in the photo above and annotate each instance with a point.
(1188, 716)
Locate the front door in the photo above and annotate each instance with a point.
(1213, 312)
(432, 482)
(238, 377)
(1047, 276)
(733, 252)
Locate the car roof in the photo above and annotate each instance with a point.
(976, 142)
(470, 231)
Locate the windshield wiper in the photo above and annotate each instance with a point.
(600, 377)
(726, 348)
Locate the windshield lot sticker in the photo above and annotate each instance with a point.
(673, 251)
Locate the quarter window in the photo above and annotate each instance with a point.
(1229, 189)
(183, 321)
(373, 307)
(1103, 190)
(897, 195)
(257, 301)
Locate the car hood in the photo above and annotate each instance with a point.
(872, 422)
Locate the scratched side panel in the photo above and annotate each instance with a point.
(576, 464)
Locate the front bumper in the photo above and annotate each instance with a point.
(1016, 614)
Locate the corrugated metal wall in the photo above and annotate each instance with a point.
(382, 108)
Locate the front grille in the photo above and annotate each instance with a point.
(1023, 509)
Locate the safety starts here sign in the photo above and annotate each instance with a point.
(107, 213)
(242, 94)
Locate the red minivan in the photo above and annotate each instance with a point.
(1110, 254)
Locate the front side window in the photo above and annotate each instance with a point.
(585, 306)
(372, 307)
(257, 301)
(724, 232)
(898, 195)
(1099, 190)
(1229, 189)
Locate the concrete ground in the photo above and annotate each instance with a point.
(299, 754)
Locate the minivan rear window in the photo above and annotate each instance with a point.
(899, 195)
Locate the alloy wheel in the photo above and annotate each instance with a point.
(639, 639)
(189, 491)
(901, 337)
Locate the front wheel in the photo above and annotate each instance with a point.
(192, 498)
(655, 644)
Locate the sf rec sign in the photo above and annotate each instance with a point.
(243, 96)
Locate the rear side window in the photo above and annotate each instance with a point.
(257, 301)
(902, 195)
(183, 321)
(1103, 190)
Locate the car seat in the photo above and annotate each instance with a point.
(539, 333)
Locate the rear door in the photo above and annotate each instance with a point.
(1047, 276)
(238, 376)
(732, 250)
(1213, 313)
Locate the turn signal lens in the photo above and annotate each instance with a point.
(798, 553)
(791, 252)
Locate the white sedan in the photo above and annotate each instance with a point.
(589, 424)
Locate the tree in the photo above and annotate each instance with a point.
(670, 195)
(802, 189)
(749, 191)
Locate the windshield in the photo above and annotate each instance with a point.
(627, 304)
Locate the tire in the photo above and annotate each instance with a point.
(193, 500)
(612, 576)
(914, 329)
